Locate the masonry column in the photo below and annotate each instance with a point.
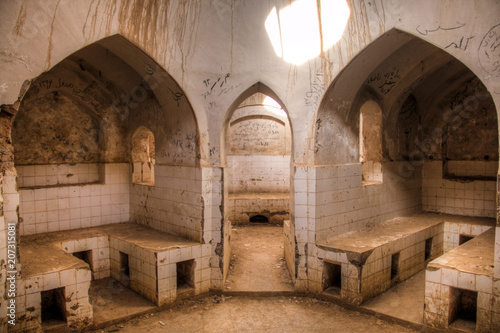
(495, 320)
(213, 222)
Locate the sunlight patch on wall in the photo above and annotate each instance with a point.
(300, 32)
(271, 105)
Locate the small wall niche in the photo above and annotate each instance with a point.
(395, 266)
(185, 277)
(143, 157)
(463, 308)
(370, 143)
(53, 309)
(124, 269)
(332, 278)
(428, 249)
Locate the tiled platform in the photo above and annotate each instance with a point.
(468, 268)
(150, 266)
(371, 260)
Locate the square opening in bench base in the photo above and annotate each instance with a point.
(332, 278)
(124, 269)
(463, 309)
(85, 256)
(464, 238)
(53, 310)
(428, 249)
(185, 278)
(395, 267)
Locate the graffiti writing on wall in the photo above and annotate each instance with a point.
(217, 86)
(51, 84)
(462, 45)
(385, 81)
(489, 54)
(425, 32)
(257, 135)
(313, 96)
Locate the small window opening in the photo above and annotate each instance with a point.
(464, 238)
(259, 219)
(185, 277)
(53, 310)
(428, 248)
(463, 309)
(395, 266)
(124, 269)
(332, 278)
(85, 256)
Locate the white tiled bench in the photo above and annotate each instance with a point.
(468, 267)
(152, 261)
(153, 258)
(371, 260)
(46, 267)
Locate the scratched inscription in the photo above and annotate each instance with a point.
(426, 32)
(385, 82)
(489, 52)
(257, 135)
(313, 96)
(461, 45)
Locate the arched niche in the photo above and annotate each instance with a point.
(431, 106)
(143, 156)
(75, 126)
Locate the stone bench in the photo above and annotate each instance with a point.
(466, 270)
(362, 264)
(244, 206)
(149, 261)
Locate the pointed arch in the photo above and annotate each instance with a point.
(430, 103)
(258, 87)
(387, 71)
(120, 85)
(257, 137)
(113, 90)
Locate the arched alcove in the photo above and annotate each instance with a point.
(428, 102)
(77, 125)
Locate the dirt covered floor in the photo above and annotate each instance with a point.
(256, 314)
(405, 300)
(111, 302)
(257, 259)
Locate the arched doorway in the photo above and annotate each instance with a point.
(257, 177)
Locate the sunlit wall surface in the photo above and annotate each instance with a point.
(271, 105)
(300, 32)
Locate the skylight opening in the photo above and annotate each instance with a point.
(294, 31)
